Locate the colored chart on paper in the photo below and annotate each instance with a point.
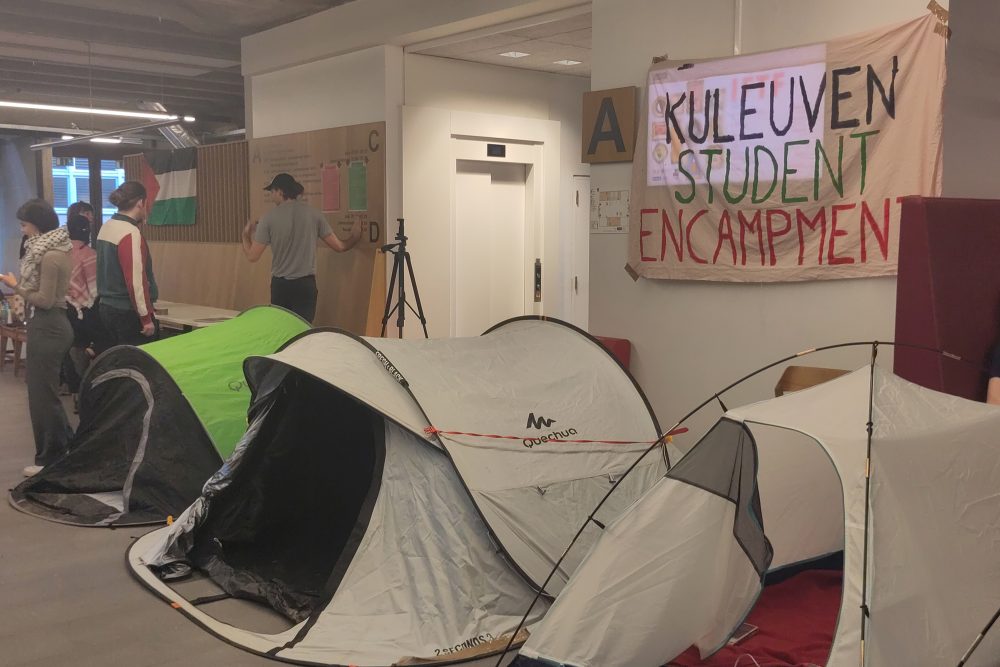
(331, 188)
(357, 177)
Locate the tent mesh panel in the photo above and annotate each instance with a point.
(724, 462)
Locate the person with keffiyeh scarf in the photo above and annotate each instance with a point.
(45, 273)
(89, 337)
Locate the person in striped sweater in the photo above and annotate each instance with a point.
(125, 282)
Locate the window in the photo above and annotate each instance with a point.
(60, 192)
(71, 183)
(112, 175)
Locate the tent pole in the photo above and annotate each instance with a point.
(865, 613)
(979, 639)
(690, 414)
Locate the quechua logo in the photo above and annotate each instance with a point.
(541, 422)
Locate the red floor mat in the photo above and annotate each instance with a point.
(796, 617)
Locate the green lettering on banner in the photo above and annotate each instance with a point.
(710, 154)
(680, 167)
(756, 173)
(863, 136)
(786, 172)
(746, 176)
(838, 180)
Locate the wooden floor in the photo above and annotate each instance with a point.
(66, 597)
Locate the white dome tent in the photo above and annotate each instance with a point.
(786, 481)
(363, 506)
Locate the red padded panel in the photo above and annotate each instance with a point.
(948, 291)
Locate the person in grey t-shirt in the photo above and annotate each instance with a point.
(291, 229)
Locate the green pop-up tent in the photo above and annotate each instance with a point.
(155, 422)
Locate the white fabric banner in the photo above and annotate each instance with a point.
(788, 165)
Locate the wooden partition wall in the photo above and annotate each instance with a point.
(204, 263)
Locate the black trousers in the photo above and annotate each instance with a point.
(123, 327)
(50, 338)
(297, 295)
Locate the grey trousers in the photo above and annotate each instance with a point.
(49, 339)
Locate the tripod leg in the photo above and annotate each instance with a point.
(401, 257)
(416, 295)
(388, 296)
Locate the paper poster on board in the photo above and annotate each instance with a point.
(788, 165)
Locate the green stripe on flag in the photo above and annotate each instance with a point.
(176, 211)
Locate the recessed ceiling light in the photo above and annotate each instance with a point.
(515, 54)
(566, 62)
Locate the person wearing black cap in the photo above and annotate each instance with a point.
(291, 229)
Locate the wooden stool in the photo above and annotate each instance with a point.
(18, 336)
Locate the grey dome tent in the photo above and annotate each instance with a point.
(155, 422)
(400, 501)
(783, 482)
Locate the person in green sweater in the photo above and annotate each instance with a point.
(45, 271)
(125, 282)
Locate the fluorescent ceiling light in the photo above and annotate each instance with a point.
(189, 119)
(67, 137)
(515, 54)
(566, 62)
(96, 112)
(107, 140)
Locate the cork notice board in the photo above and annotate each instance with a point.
(343, 172)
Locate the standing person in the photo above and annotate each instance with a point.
(81, 304)
(291, 229)
(125, 282)
(87, 211)
(45, 271)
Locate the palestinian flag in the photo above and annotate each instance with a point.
(171, 180)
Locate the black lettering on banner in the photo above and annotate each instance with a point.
(812, 113)
(874, 82)
(835, 122)
(744, 112)
(606, 114)
(670, 119)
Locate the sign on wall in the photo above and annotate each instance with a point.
(788, 165)
(609, 125)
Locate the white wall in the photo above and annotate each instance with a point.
(691, 339)
(344, 90)
(473, 87)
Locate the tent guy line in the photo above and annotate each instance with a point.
(433, 430)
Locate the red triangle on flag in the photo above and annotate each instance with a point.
(151, 184)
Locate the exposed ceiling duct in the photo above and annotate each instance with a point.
(176, 135)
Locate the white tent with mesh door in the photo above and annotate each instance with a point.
(400, 501)
(783, 482)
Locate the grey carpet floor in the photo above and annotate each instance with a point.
(66, 596)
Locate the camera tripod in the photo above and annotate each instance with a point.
(400, 258)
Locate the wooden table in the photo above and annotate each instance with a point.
(18, 336)
(186, 316)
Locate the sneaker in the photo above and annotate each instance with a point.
(31, 471)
